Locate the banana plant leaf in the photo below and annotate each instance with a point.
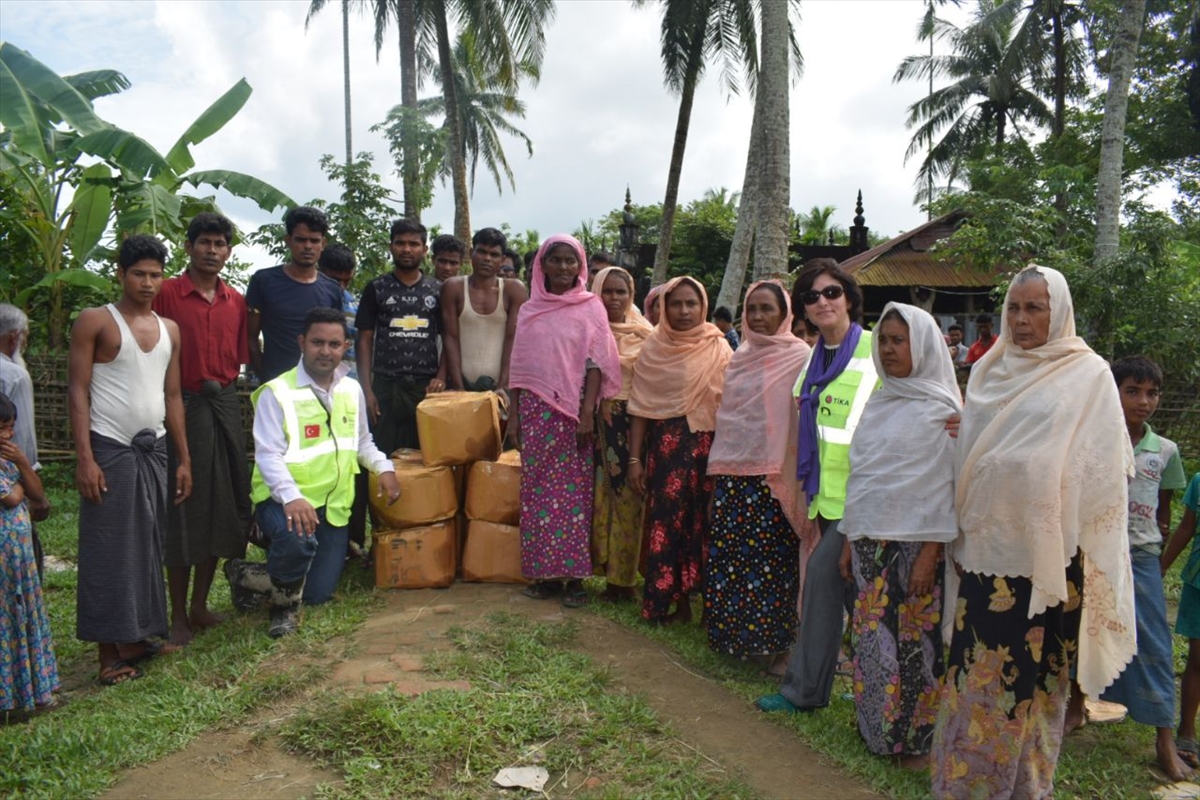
(240, 184)
(212, 120)
(92, 207)
(72, 277)
(130, 152)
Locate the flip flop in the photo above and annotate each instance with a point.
(542, 590)
(575, 597)
(1189, 753)
(119, 672)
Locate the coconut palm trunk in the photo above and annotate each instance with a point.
(346, 75)
(771, 243)
(662, 256)
(406, 27)
(454, 146)
(1112, 132)
(743, 233)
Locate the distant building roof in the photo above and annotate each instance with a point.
(906, 260)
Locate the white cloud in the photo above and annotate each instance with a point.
(600, 119)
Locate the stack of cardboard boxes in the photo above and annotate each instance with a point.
(458, 487)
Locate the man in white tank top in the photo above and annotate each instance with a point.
(479, 318)
(124, 394)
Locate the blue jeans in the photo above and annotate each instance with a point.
(318, 558)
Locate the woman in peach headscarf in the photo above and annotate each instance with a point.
(752, 578)
(617, 519)
(677, 385)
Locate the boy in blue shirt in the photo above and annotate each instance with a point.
(1147, 685)
(1187, 623)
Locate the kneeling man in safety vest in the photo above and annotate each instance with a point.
(310, 436)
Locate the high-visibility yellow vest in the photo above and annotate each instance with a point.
(322, 452)
(839, 409)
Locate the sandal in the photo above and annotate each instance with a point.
(1188, 752)
(575, 596)
(119, 672)
(542, 590)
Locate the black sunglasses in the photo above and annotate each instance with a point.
(830, 292)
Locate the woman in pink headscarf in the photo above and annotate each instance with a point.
(677, 386)
(752, 577)
(564, 361)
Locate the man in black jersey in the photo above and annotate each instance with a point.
(398, 325)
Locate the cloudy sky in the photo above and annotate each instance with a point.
(600, 119)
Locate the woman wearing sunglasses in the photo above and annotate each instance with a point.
(831, 392)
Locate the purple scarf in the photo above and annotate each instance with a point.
(818, 376)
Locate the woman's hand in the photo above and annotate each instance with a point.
(583, 434)
(924, 571)
(952, 425)
(513, 433)
(635, 476)
(606, 411)
(845, 565)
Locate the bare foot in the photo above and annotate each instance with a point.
(778, 666)
(202, 618)
(1074, 721)
(1171, 763)
(915, 762)
(181, 632)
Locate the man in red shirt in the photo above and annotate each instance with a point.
(985, 340)
(212, 523)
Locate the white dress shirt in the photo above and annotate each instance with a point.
(270, 441)
(17, 386)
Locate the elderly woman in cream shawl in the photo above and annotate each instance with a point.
(1046, 584)
(899, 515)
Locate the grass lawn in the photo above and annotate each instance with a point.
(79, 749)
(534, 700)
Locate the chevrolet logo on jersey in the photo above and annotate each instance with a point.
(410, 322)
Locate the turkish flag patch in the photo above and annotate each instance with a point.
(312, 431)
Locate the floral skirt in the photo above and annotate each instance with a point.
(617, 519)
(28, 670)
(898, 648)
(556, 494)
(677, 492)
(752, 576)
(1008, 680)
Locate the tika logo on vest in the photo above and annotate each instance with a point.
(312, 431)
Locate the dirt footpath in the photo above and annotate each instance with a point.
(247, 761)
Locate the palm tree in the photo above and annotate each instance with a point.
(484, 107)
(814, 226)
(692, 32)
(1123, 55)
(771, 241)
(383, 12)
(314, 7)
(990, 88)
(510, 43)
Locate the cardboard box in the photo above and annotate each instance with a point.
(416, 558)
(459, 427)
(494, 490)
(492, 553)
(427, 494)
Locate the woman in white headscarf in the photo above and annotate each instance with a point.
(899, 515)
(1046, 585)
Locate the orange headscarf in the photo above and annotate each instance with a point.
(630, 334)
(681, 373)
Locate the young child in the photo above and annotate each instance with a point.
(1187, 623)
(1147, 686)
(28, 671)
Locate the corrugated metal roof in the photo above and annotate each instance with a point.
(906, 261)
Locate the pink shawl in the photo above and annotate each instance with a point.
(756, 423)
(558, 334)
